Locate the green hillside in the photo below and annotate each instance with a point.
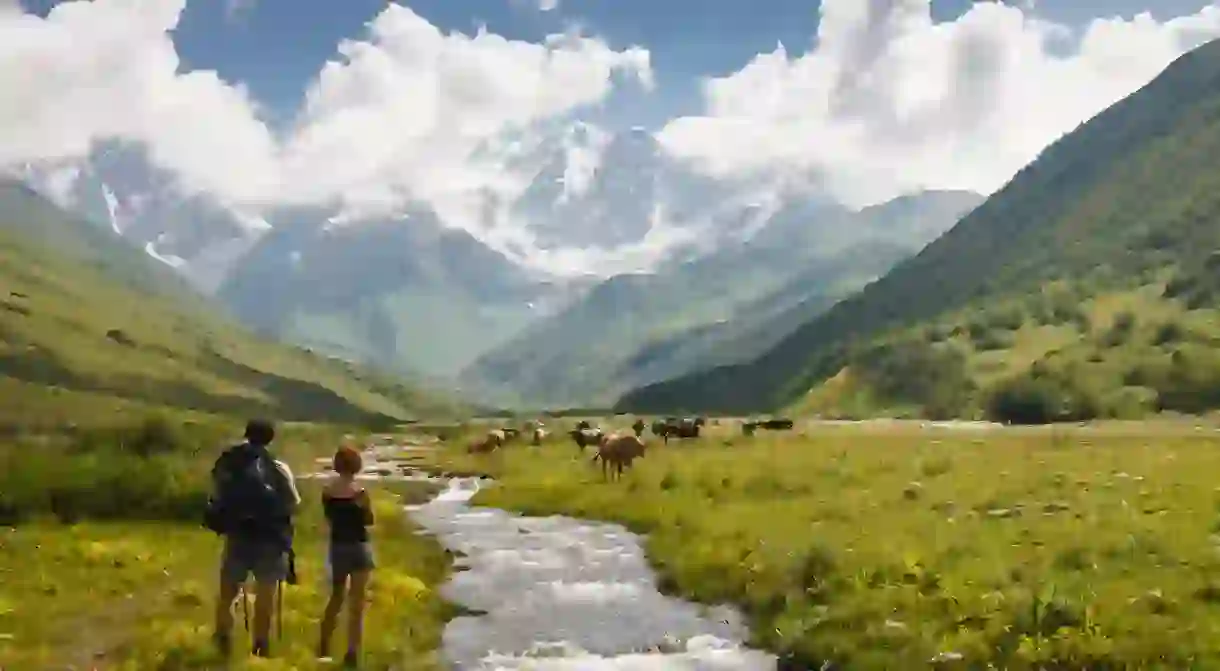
(756, 325)
(89, 327)
(1087, 286)
(722, 307)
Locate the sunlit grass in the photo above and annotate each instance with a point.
(140, 596)
(108, 564)
(883, 548)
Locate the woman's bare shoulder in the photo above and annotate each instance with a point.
(333, 487)
(343, 490)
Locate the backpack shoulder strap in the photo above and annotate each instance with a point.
(224, 460)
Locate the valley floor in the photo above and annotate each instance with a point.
(879, 546)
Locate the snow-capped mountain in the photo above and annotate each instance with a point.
(605, 190)
(406, 291)
(430, 289)
(619, 202)
(117, 187)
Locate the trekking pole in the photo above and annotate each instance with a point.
(289, 579)
(245, 605)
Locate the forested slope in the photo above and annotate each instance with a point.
(1089, 276)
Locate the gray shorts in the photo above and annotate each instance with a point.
(267, 562)
(349, 558)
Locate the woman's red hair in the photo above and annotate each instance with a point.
(348, 461)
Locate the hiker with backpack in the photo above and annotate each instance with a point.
(254, 498)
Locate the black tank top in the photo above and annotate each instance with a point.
(348, 520)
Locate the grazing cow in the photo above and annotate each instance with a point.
(660, 427)
(618, 451)
(586, 437)
(782, 424)
(678, 428)
(538, 435)
(639, 427)
(511, 434)
(488, 444)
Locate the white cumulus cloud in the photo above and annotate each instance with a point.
(405, 112)
(400, 114)
(888, 101)
(93, 71)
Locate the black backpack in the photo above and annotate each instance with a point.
(248, 496)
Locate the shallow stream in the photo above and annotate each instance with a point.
(557, 593)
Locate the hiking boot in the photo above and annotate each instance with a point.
(223, 643)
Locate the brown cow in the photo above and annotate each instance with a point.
(618, 451)
(490, 443)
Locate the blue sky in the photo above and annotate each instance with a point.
(276, 46)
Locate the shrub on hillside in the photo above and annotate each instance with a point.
(1201, 297)
(938, 333)
(1009, 319)
(1120, 331)
(154, 469)
(1191, 381)
(153, 435)
(1082, 320)
(1130, 402)
(1178, 286)
(932, 377)
(71, 487)
(993, 340)
(1041, 400)
(1169, 333)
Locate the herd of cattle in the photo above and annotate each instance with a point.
(616, 450)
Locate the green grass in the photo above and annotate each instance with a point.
(106, 562)
(882, 548)
(140, 596)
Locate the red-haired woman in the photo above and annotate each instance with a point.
(349, 514)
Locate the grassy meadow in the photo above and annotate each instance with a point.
(886, 546)
(105, 564)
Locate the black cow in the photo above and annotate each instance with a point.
(678, 428)
(748, 428)
(586, 437)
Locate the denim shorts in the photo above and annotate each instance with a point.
(349, 558)
(243, 557)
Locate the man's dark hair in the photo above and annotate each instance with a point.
(260, 432)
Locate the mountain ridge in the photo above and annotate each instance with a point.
(1081, 212)
(584, 353)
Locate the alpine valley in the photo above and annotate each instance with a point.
(702, 272)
